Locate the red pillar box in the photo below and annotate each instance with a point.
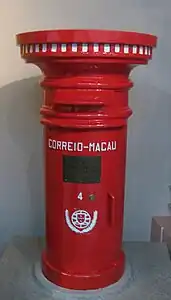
(84, 113)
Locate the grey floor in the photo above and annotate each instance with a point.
(147, 275)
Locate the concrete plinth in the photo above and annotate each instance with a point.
(147, 275)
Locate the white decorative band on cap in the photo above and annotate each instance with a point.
(85, 48)
(54, 48)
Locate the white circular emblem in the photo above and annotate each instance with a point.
(81, 219)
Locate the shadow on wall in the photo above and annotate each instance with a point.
(21, 160)
(149, 157)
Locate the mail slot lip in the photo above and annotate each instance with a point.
(86, 36)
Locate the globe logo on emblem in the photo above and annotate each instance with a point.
(81, 219)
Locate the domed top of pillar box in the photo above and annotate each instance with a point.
(118, 46)
(83, 72)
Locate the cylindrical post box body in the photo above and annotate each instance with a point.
(85, 114)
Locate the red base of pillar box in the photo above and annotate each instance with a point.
(88, 281)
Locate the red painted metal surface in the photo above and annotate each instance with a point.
(85, 112)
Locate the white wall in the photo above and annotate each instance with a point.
(149, 146)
